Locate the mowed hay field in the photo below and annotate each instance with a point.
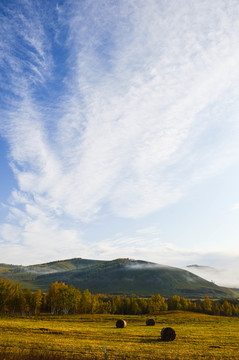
(198, 336)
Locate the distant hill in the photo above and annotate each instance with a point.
(120, 276)
(195, 266)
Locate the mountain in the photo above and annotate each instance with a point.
(203, 267)
(120, 276)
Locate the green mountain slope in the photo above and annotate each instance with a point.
(121, 276)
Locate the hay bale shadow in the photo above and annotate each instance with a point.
(149, 341)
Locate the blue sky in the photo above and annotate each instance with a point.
(119, 132)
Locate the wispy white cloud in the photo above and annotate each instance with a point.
(152, 230)
(127, 121)
(25, 53)
(235, 207)
(142, 115)
(40, 239)
(149, 106)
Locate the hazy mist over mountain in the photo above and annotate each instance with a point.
(222, 277)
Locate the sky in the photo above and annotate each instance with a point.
(119, 132)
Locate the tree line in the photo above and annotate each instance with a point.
(65, 299)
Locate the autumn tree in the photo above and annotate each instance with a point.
(175, 303)
(157, 304)
(226, 308)
(117, 305)
(215, 308)
(17, 300)
(38, 300)
(185, 303)
(6, 293)
(207, 305)
(62, 298)
(87, 303)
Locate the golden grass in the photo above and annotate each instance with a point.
(198, 336)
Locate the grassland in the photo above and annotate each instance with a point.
(199, 336)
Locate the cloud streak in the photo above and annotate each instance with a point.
(146, 111)
(114, 108)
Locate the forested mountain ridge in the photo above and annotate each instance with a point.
(120, 276)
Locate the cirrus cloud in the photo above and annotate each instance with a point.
(114, 109)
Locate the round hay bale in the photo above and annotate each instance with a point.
(121, 323)
(150, 322)
(168, 334)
